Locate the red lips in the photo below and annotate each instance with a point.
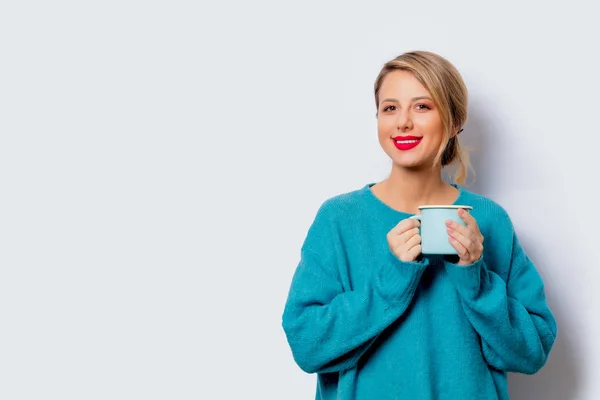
(406, 142)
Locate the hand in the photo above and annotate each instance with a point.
(404, 240)
(467, 240)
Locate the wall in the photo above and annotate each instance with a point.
(160, 164)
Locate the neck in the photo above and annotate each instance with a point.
(408, 189)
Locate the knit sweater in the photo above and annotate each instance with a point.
(373, 327)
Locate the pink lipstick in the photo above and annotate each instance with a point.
(406, 142)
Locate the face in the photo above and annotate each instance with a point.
(408, 123)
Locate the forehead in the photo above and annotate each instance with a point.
(401, 84)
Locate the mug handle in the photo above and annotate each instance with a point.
(417, 217)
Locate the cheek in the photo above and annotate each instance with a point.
(432, 126)
(384, 126)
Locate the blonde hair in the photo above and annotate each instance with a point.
(450, 96)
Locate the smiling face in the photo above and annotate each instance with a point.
(409, 126)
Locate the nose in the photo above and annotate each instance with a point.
(403, 121)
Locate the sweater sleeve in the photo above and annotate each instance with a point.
(329, 328)
(516, 327)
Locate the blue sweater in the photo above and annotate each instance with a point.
(374, 328)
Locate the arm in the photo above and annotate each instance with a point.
(329, 329)
(516, 326)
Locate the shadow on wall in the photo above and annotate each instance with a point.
(476, 138)
(559, 378)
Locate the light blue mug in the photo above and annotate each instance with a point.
(434, 235)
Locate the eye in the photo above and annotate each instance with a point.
(389, 108)
(423, 107)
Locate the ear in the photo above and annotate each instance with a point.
(456, 134)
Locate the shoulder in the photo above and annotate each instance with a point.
(487, 211)
(343, 204)
(333, 217)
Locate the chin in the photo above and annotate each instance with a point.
(409, 164)
(405, 159)
(410, 159)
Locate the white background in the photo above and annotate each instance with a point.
(160, 162)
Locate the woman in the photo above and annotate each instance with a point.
(372, 316)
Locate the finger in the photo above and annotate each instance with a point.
(414, 252)
(462, 251)
(413, 241)
(465, 230)
(404, 226)
(403, 244)
(469, 220)
(408, 235)
(462, 238)
(472, 225)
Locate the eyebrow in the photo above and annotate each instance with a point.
(413, 99)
